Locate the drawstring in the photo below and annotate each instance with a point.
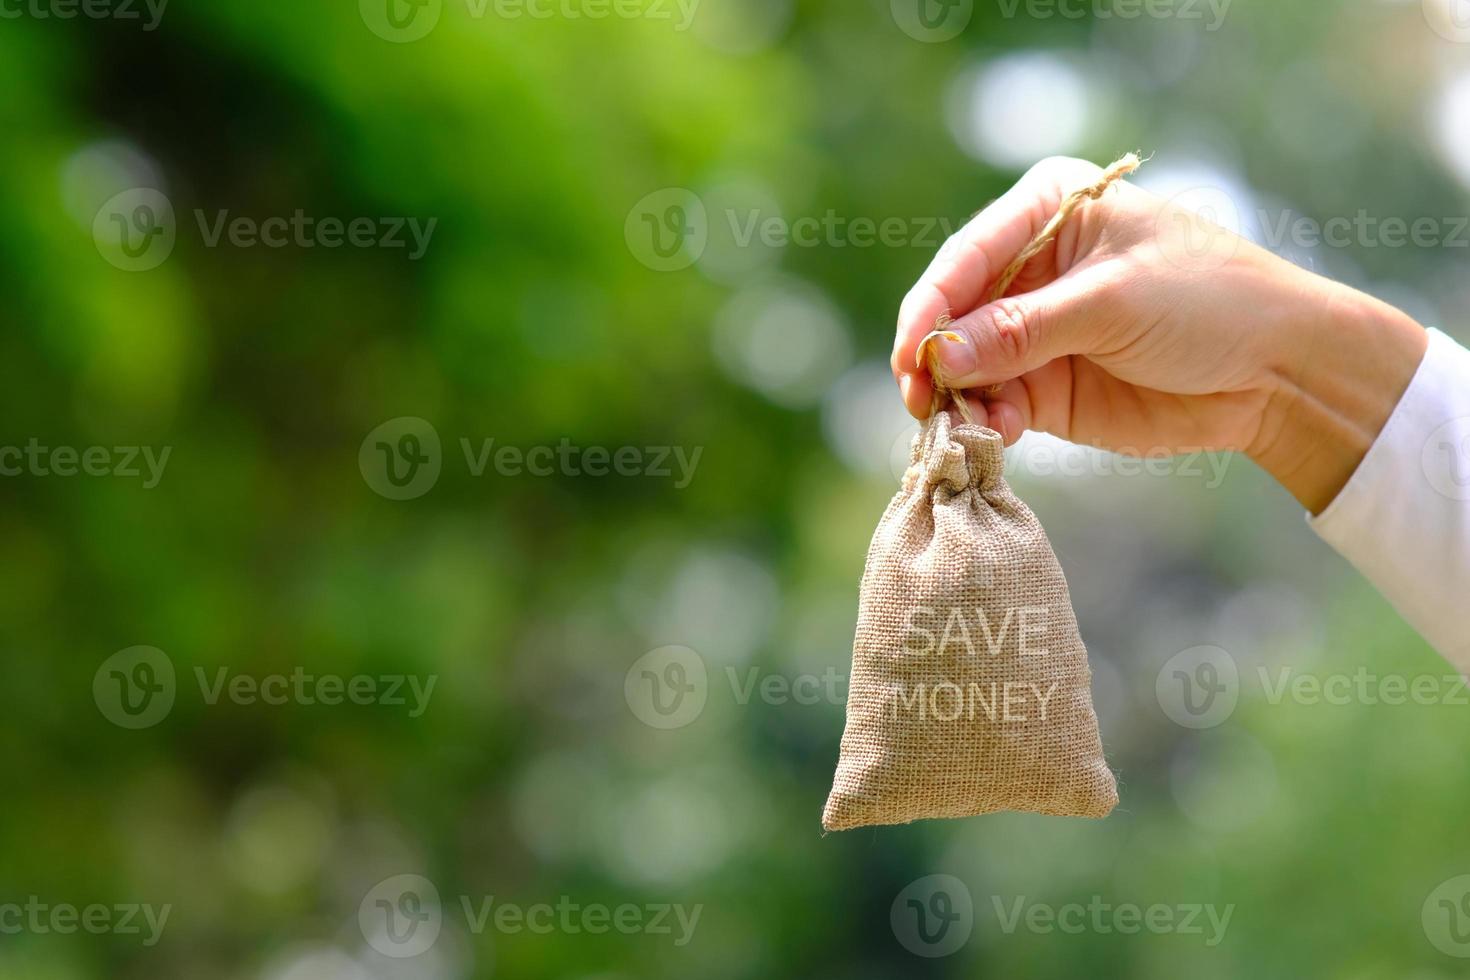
(1119, 169)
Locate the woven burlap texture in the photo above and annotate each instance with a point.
(970, 688)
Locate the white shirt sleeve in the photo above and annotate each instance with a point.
(1403, 519)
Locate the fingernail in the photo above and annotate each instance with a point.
(955, 357)
(904, 384)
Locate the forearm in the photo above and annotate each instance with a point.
(1345, 360)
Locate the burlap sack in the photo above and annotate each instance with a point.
(970, 685)
(970, 689)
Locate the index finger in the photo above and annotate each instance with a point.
(960, 275)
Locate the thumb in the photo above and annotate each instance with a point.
(1017, 334)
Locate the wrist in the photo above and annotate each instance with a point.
(1344, 361)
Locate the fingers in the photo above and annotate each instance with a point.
(1039, 401)
(1006, 419)
(917, 392)
(1003, 417)
(960, 276)
(1018, 334)
(924, 304)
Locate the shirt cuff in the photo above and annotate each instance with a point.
(1403, 519)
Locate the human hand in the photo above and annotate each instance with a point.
(1143, 328)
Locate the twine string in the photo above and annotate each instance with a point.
(927, 353)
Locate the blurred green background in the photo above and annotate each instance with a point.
(549, 151)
